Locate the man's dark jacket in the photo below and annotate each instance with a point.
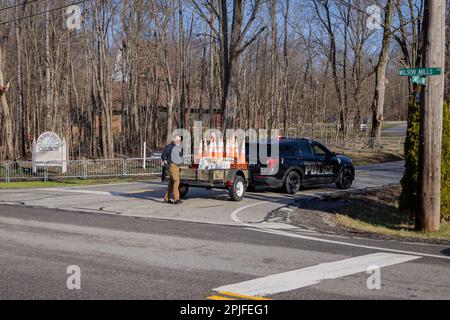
(167, 158)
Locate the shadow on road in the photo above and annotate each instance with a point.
(157, 192)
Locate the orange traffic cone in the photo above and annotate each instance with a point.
(205, 149)
(236, 150)
(230, 148)
(198, 153)
(220, 149)
(242, 159)
(212, 150)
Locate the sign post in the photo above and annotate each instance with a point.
(144, 155)
(49, 151)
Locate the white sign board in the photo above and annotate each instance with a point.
(50, 151)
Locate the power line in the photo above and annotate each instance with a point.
(44, 12)
(17, 5)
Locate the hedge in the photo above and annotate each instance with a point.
(409, 200)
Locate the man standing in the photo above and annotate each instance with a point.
(172, 159)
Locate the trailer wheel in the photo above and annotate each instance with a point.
(237, 190)
(184, 189)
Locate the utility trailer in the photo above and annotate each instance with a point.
(235, 180)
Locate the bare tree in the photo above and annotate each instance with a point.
(10, 150)
(380, 77)
(232, 44)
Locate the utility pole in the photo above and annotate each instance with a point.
(430, 151)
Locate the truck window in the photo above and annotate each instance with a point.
(305, 148)
(320, 151)
(289, 150)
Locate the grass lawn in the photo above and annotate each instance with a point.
(365, 157)
(62, 183)
(388, 125)
(378, 212)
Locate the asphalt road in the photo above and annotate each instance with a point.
(399, 129)
(128, 245)
(126, 258)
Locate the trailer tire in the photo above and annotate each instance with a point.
(237, 190)
(184, 189)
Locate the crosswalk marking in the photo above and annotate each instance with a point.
(100, 193)
(301, 278)
(139, 191)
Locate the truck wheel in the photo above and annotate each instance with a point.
(237, 190)
(345, 179)
(184, 189)
(293, 183)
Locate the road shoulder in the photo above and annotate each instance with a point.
(334, 214)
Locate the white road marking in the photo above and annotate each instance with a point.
(101, 193)
(235, 218)
(234, 214)
(104, 185)
(298, 236)
(305, 277)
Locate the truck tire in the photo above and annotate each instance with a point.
(345, 178)
(237, 190)
(184, 189)
(292, 183)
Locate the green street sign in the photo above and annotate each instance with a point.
(419, 72)
(419, 80)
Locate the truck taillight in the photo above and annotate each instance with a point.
(272, 163)
(271, 168)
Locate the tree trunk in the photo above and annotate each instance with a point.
(380, 80)
(10, 150)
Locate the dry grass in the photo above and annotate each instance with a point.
(378, 213)
(372, 157)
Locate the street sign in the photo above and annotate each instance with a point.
(419, 80)
(419, 72)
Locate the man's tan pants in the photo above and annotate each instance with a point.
(174, 183)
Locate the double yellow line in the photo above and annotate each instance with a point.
(233, 296)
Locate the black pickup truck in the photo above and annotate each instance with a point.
(301, 163)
